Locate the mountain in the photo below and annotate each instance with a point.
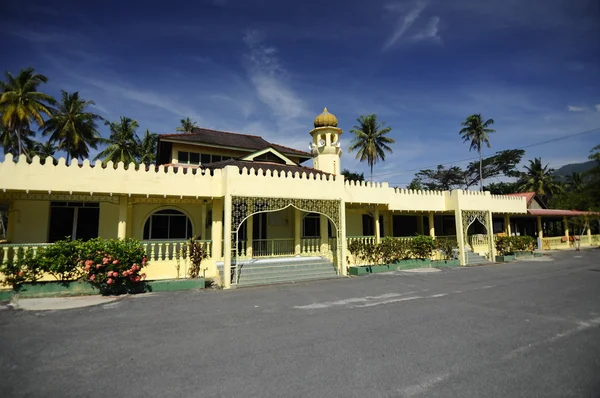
(568, 169)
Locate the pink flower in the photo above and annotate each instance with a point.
(105, 260)
(116, 262)
(125, 273)
(98, 266)
(92, 277)
(137, 278)
(143, 276)
(87, 267)
(89, 262)
(109, 281)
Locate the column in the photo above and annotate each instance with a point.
(460, 238)
(323, 232)
(343, 244)
(539, 227)
(249, 235)
(431, 219)
(490, 233)
(377, 226)
(202, 230)
(589, 234)
(297, 232)
(122, 230)
(507, 224)
(217, 229)
(420, 225)
(227, 243)
(12, 221)
(130, 219)
(566, 227)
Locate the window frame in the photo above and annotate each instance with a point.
(189, 226)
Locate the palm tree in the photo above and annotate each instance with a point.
(187, 125)
(123, 145)
(74, 129)
(476, 131)
(20, 105)
(539, 179)
(370, 140)
(575, 182)
(43, 150)
(147, 153)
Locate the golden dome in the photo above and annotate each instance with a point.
(326, 119)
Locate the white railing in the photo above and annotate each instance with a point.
(165, 250)
(9, 251)
(310, 246)
(273, 247)
(361, 239)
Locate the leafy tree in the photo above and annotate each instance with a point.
(21, 104)
(370, 140)
(147, 152)
(351, 176)
(538, 178)
(123, 145)
(187, 125)
(416, 184)
(575, 182)
(440, 179)
(502, 188)
(476, 131)
(43, 150)
(72, 127)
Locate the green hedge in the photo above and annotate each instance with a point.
(506, 245)
(392, 250)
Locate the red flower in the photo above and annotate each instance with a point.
(137, 278)
(109, 281)
(87, 267)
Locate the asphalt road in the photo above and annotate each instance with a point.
(528, 329)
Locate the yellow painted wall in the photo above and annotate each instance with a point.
(31, 220)
(354, 223)
(109, 220)
(285, 231)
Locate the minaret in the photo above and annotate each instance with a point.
(325, 146)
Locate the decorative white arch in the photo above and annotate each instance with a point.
(160, 208)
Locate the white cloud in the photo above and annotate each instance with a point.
(408, 22)
(269, 78)
(597, 106)
(573, 108)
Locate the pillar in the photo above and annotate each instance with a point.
(12, 221)
(122, 231)
(566, 227)
(589, 234)
(377, 226)
(507, 224)
(129, 219)
(249, 235)
(227, 243)
(342, 244)
(539, 227)
(297, 231)
(323, 232)
(431, 218)
(202, 230)
(460, 237)
(217, 229)
(490, 234)
(420, 225)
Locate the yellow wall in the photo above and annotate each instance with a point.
(31, 220)
(354, 223)
(285, 231)
(109, 219)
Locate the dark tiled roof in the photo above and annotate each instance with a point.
(265, 166)
(223, 138)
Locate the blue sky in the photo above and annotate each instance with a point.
(269, 67)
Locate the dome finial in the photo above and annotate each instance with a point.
(326, 119)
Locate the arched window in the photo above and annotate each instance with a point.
(168, 224)
(311, 226)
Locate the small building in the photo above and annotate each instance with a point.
(249, 201)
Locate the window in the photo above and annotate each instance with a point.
(199, 158)
(79, 220)
(368, 224)
(311, 226)
(168, 224)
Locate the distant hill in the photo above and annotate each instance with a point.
(568, 169)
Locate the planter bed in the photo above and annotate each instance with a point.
(445, 263)
(524, 254)
(60, 289)
(399, 266)
(506, 258)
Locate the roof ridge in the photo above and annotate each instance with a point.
(211, 130)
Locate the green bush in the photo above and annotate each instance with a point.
(393, 250)
(23, 269)
(446, 247)
(62, 260)
(523, 243)
(504, 245)
(197, 253)
(422, 246)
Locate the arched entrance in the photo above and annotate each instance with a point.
(246, 211)
(477, 232)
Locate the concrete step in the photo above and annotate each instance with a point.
(475, 259)
(254, 269)
(285, 279)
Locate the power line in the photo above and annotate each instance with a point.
(476, 157)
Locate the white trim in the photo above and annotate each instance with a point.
(269, 150)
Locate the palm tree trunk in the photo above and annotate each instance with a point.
(480, 171)
(371, 173)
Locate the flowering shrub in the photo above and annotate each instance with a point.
(62, 259)
(24, 268)
(114, 266)
(510, 244)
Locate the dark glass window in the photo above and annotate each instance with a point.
(76, 220)
(194, 158)
(183, 157)
(204, 159)
(216, 158)
(168, 224)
